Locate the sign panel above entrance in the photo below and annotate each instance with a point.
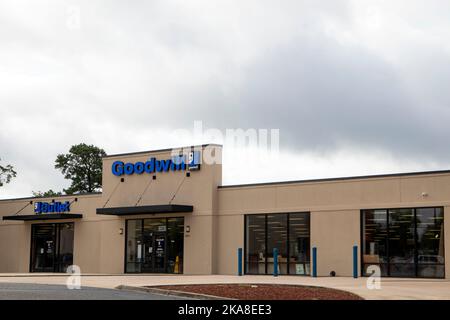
(45, 207)
(176, 163)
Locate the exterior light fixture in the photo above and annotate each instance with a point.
(121, 231)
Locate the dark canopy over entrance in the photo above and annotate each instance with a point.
(164, 208)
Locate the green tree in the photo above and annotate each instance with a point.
(49, 193)
(6, 174)
(82, 165)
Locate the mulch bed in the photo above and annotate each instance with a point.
(265, 291)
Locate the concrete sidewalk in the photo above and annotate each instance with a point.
(391, 288)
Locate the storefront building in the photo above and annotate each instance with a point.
(165, 213)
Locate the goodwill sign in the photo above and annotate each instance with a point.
(177, 163)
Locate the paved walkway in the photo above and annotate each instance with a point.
(391, 288)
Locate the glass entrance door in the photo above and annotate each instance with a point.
(159, 253)
(154, 245)
(51, 247)
(43, 248)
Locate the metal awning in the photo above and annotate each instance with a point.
(163, 208)
(44, 216)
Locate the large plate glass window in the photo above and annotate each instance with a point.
(299, 243)
(289, 233)
(430, 242)
(404, 242)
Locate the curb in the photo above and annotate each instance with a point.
(175, 293)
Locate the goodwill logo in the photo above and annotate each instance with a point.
(44, 207)
(177, 163)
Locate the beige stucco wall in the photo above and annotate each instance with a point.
(217, 223)
(14, 247)
(98, 245)
(334, 233)
(198, 190)
(335, 212)
(230, 237)
(91, 234)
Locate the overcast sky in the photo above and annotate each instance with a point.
(354, 86)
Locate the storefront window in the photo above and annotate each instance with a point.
(277, 238)
(299, 244)
(404, 242)
(430, 242)
(375, 240)
(401, 243)
(134, 245)
(175, 237)
(289, 233)
(256, 244)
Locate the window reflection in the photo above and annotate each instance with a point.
(175, 242)
(430, 242)
(277, 238)
(404, 242)
(299, 244)
(155, 245)
(256, 244)
(288, 232)
(134, 245)
(401, 243)
(375, 239)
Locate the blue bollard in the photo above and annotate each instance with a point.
(275, 262)
(314, 262)
(355, 262)
(240, 261)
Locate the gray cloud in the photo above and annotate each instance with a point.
(328, 74)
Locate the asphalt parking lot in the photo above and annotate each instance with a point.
(32, 291)
(102, 286)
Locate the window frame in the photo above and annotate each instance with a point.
(288, 214)
(142, 232)
(388, 253)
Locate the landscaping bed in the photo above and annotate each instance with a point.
(264, 291)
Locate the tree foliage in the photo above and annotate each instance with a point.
(6, 174)
(49, 193)
(82, 165)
